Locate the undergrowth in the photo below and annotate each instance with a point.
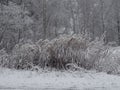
(61, 53)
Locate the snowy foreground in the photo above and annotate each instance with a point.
(26, 80)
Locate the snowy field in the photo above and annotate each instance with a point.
(26, 80)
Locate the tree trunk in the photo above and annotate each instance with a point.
(44, 19)
(118, 29)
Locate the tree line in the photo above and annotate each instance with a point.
(48, 19)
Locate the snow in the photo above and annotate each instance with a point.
(57, 80)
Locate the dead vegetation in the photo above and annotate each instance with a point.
(66, 52)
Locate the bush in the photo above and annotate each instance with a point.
(110, 63)
(4, 59)
(94, 52)
(103, 58)
(24, 56)
(44, 55)
(65, 49)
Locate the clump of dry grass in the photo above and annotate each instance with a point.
(23, 55)
(67, 49)
(4, 62)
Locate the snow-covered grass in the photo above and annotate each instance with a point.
(57, 80)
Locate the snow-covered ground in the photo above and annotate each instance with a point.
(56, 80)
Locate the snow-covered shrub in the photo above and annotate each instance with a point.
(44, 55)
(24, 56)
(110, 63)
(94, 52)
(103, 58)
(66, 49)
(4, 58)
